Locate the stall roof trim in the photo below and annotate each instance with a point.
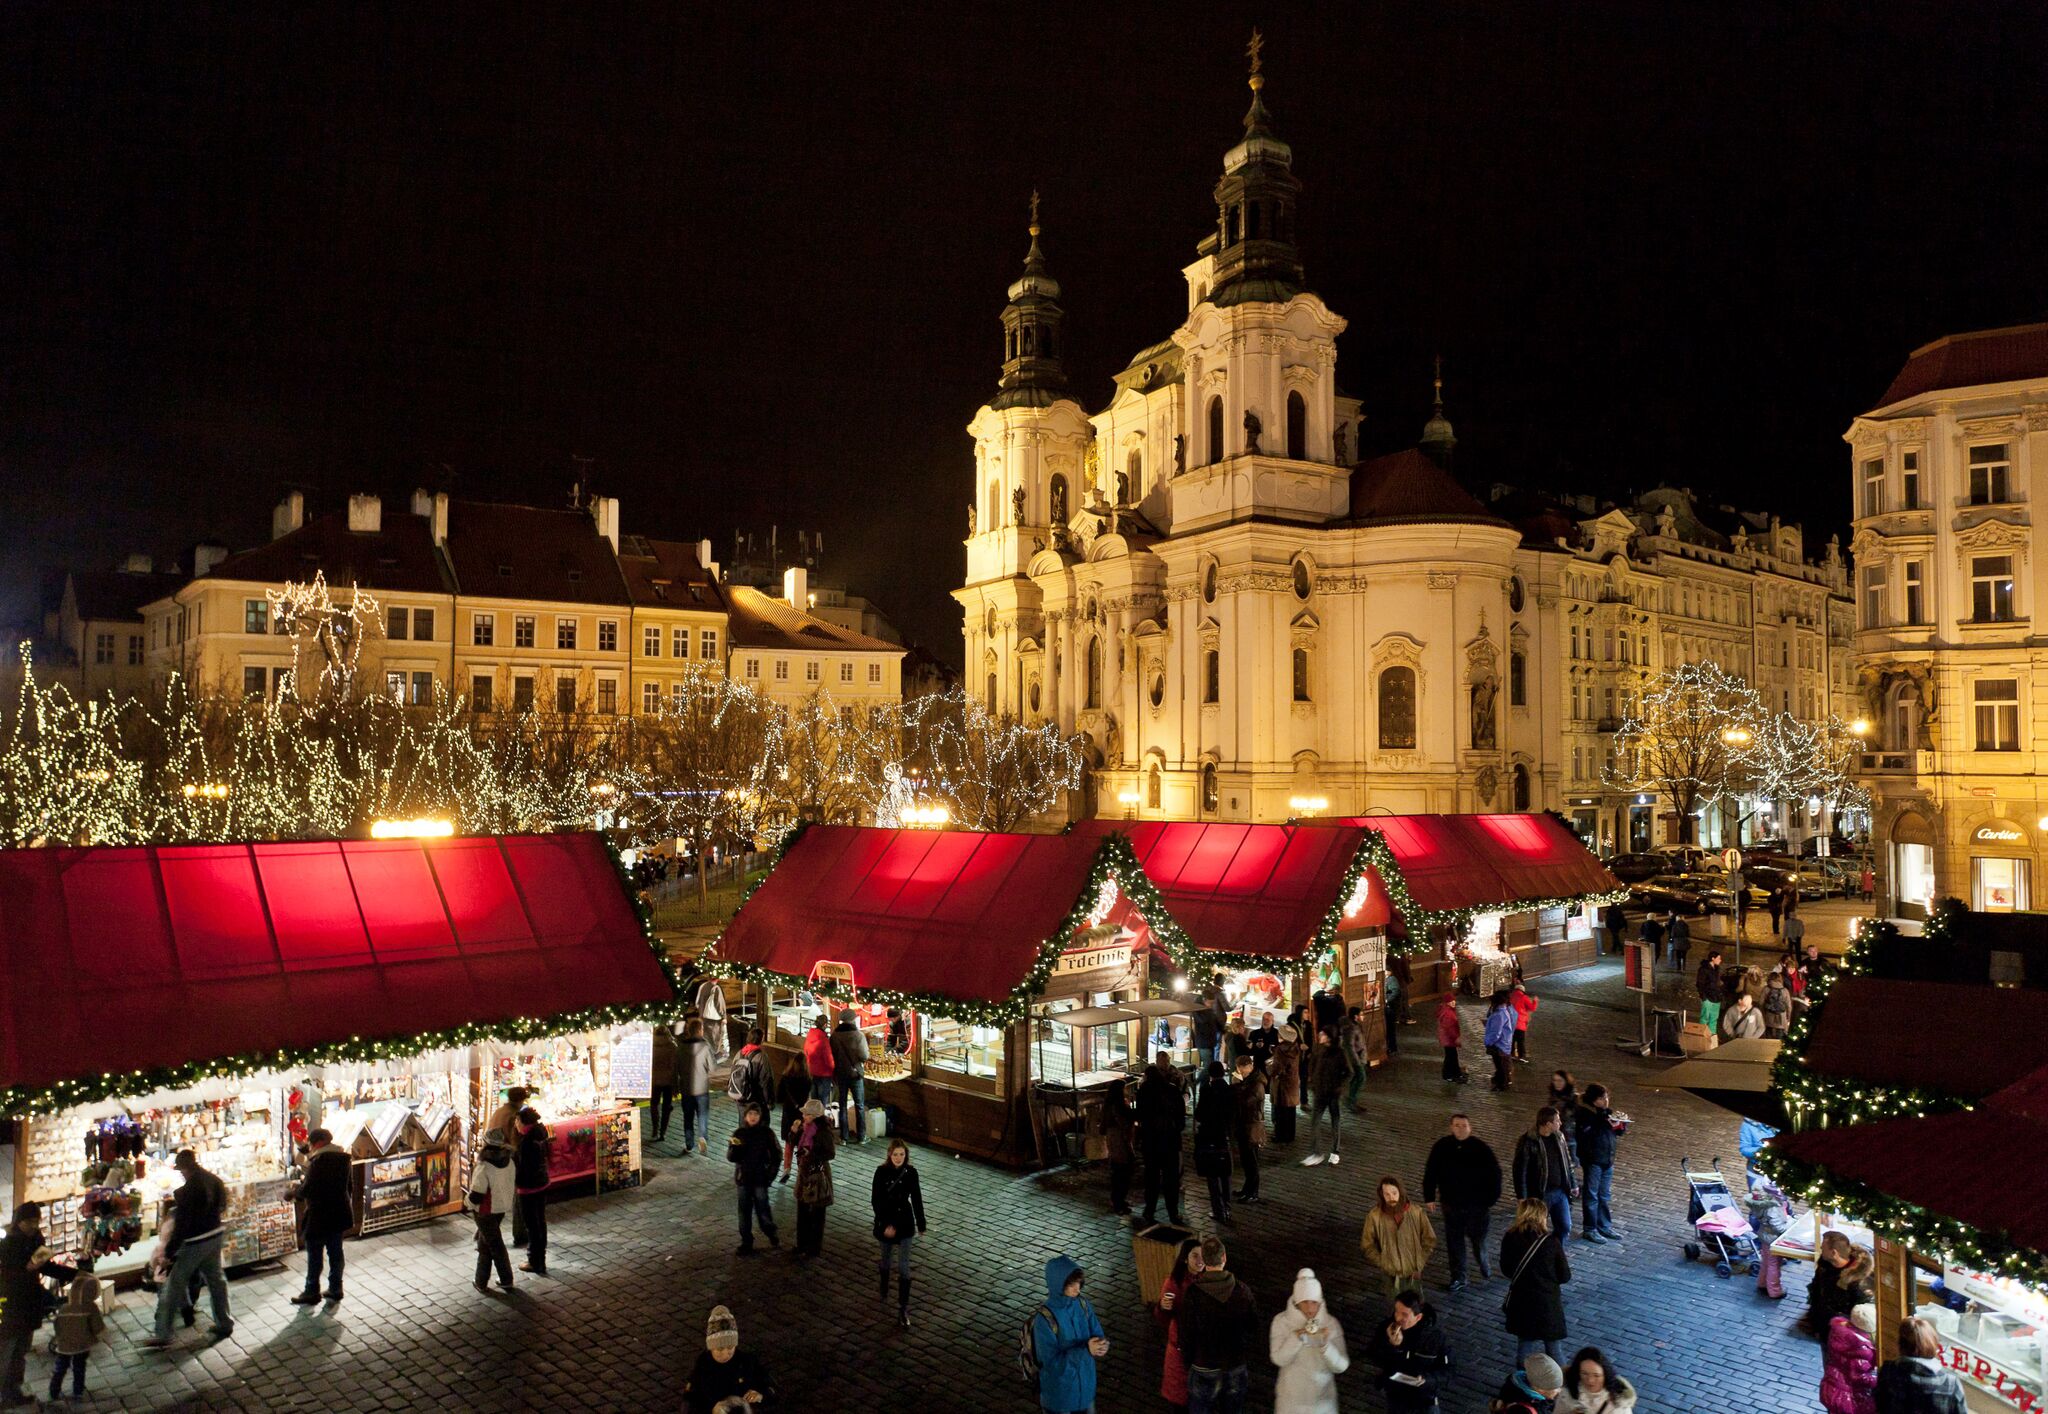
(119, 964)
(944, 914)
(1258, 890)
(1502, 862)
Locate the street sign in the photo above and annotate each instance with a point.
(1731, 859)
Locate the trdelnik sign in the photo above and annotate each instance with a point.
(1999, 832)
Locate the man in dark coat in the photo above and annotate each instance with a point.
(324, 1189)
(1411, 1345)
(1162, 1118)
(1208, 1030)
(1218, 1331)
(1461, 1179)
(849, 1076)
(21, 1298)
(1712, 994)
(1543, 1169)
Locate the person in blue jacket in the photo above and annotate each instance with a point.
(1499, 1037)
(1067, 1339)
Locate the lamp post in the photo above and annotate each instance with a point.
(1129, 799)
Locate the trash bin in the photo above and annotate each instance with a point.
(1154, 1248)
(1665, 1027)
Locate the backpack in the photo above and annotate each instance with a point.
(736, 1087)
(1027, 1345)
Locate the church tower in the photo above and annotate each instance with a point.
(1255, 254)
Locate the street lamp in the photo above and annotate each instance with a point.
(1308, 804)
(1860, 727)
(926, 817)
(420, 829)
(1736, 736)
(206, 790)
(1129, 800)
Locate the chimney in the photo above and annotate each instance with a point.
(138, 564)
(205, 557)
(796, 587)
(366, 514)
(289, 515)
(605, 511)
(422, 502)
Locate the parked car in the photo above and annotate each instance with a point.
(1711, 885)
(1634, 868)
(1664, 893)
(1807, 884)
(1685, 858)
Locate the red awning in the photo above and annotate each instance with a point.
(940, 913)
(1962, 1039)
(1259, 890)
(1488, 861)
(120, 960)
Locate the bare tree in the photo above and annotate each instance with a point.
(704, 767)
(1691, 740)
(991, 773)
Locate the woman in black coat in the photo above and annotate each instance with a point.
(1533, 1261)
(1215, 1118)
(899, 1216)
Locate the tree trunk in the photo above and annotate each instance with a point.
(703, 884)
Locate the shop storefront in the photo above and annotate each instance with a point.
(2001, 866)
(263, 991)
(1912, 865)
(968, 948)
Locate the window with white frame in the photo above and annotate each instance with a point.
(1990, 474)
(678, 694)
(874, 672)
(754, 669)
(650, 643)
(134, 650)
(1997, 703)
(782, 670)
(707, 644)
(103, 649)
(1873, 596)
(256, 616)
(1991, 597)
(423, 625)
(1873, 486)
(650, 697)
(483, 630)
(679, 642)
(846, 671)
(523, 631)
(811, 670)
(565, 633)
(395, 622)
(1909, 480)
(607, 635)
(608, 696)
(1916, 591)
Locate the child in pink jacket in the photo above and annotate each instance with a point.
(1848, 1363)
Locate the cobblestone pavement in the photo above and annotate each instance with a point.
(621, 1320)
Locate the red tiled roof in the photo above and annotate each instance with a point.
(665, 574)
(1968, 360)
(1963, 1040)
(759, 621)
(524, 552)
(398, 557)
(1408, 486)
(118, 595)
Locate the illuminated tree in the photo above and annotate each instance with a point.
(991, 773)
(63, 777)
(1694, 740)
(327, 637)
(703, 767)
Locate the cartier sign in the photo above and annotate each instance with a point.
(1998, 832)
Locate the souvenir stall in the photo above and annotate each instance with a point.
(267, 990)
(979, 943)
(584, 1086)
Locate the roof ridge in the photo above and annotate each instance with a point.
(1947, 339)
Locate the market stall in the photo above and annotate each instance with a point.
(231, 998)
(978, 942)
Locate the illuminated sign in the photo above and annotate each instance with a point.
(1998, 832)
(1092, 955)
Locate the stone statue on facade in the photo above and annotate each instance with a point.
(1343, 438)
(1252, 429)
(1484, 691)
(1017, 506)
(1180, 455)
(970, 518)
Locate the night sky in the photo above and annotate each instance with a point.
(749, 259)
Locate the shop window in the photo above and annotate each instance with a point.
(2001, 885)
(1397, 709)
(960, 1048)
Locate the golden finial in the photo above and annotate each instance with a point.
(1034, 211)
(1439, 385)
(1251, 50)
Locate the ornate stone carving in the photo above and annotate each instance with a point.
(1992, 537)
(1440, 580)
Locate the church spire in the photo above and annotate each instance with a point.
(1255, 254)
(1033, 375)
(1438, 440)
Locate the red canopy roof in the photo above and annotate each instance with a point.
(1964, 1040)
(123, 960)
(1488, 861)
(941, 913)
(1262, 890)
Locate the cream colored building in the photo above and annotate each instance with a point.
(1948, 588)
(1242, 616)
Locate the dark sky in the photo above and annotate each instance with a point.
(750, 258)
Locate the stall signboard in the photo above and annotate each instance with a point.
(2015, 1298)
(1639, 966)
(1365, 956)
(1578, 925)
(633, 1066)
(1987, 1374)
(1093, 956)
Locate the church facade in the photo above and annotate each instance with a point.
(1249, 622)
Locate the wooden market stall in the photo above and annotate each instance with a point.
(975, 942)
(231, 998)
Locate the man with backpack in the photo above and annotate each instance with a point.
(1217, 1328)
(748, 1082)
(1062, 1341)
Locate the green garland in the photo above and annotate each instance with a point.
(29, 1102)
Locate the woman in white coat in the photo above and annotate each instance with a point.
(1308, 1346)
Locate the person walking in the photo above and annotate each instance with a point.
(1869, 883)
(752, 1152)
(1284, 1069)
(849, 1076)
(1708, 983)
(1525, 1004)
(1330, 1074)
(324, 1189)
(530, 1160)
(1450, 1031)
(899, 1208)
(1413, 1356)
(1397, 1238)
(1120, 1139)
(202, 1199)
(1216, 1120)
(1678, 935)
(1543, 1170)
(1461, 1179)
(1918, 1382)
(1532, 1258)
(493, 1192)
(1351, 1037)
(1614, 925)
(1499, 1037)
(1738, 896)
(749, 1081)
(1306, 1342)
(661, 1078)
(792, 1093)
(1247, 1127)
(1848, 1363)
(1599, 1127)
(693, 1065)
(1656, 935)
(726, 1377)
(1394, 1004)
(711, 1012)
(1591, 1386)
(1795, 930)
(76, 1330)
(1777, 1007)
(815, 1146)
(1216, 1334)
(1066, 1341)
(23, 1255)
(1187, 1266)
(1775, 904)
(1162, 1119)
(819, 1062)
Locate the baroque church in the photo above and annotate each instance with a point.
(1249, 622)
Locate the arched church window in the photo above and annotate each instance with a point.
(991, 694)
(1059, 499)
(1397, 709)
(1212, 675)
(1215, 430)
(1297, 427)
(1301, 675)
(1093, 684)
(1134, 471)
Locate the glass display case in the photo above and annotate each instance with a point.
(961, 1048)
(1994, 1331)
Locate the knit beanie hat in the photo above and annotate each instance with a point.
(1306, 1287)
(1544, 1375)
(722, 1331)
(1864, 1318)
(814, 1108)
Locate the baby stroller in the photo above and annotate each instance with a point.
(1718, 1222)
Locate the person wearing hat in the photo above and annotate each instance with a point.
(1285, 1071)
(724, 1371)
(1848, 1362)
(1307, 1343)
(753, 1152)
(494, 1192)
(815, 1145)
(23, 1256)
(1533, 1389)
(1066, 1341)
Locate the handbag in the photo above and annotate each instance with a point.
(814, 1187)
(1520, 1267)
